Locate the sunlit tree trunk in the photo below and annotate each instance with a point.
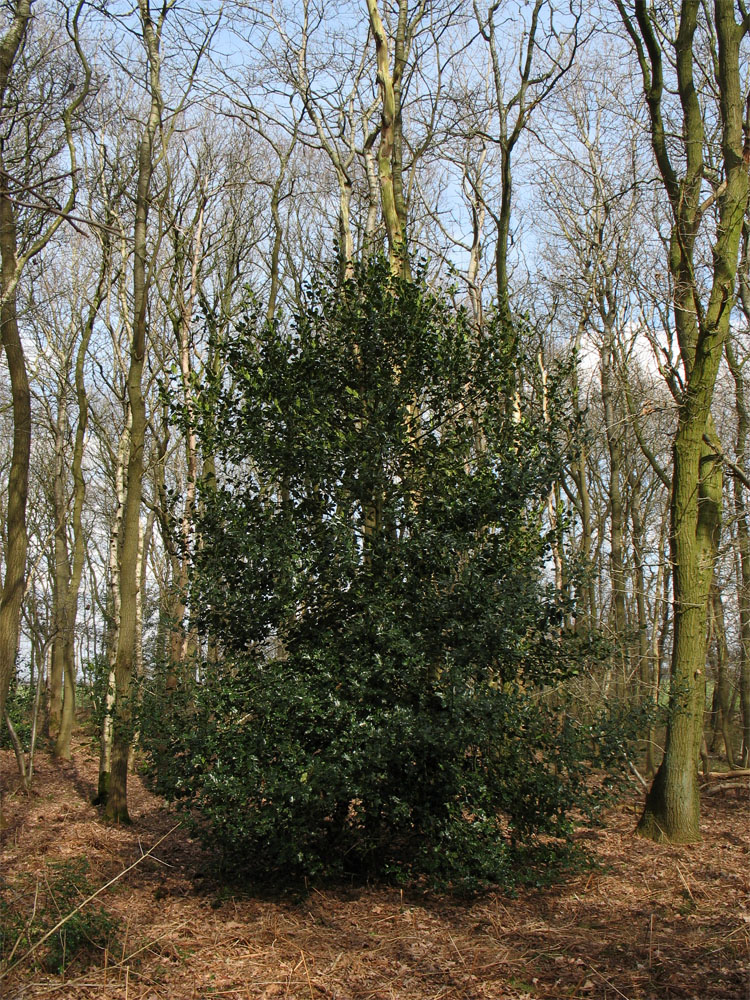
(62, 672)
(390, 149)
(123, 720)
(672, 806)
(113, 618)
(722, 688)
(61, 574)
(74, 566)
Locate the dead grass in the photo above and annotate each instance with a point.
(648, 922)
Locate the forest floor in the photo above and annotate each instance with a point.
(639, 921)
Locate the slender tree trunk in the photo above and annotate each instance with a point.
(18, 477)
(116, 809)
(722, 689)
(579, 473)
(739, 495)
(389, 155)
(373, 197)
(659, 624)
(61, 578)
(641, 648)
(76, 565)
(113, 619)
(503, 234)
(180, 637)
(478, 213)
(616, 509)
(15, 552)
(143, 552)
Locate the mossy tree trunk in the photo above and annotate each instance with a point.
(740, 498)
(672, 806)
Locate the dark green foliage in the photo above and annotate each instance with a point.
(36, 904)
(371, 568)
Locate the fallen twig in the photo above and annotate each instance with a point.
(638, 775)
(67, 917)
(714, 787)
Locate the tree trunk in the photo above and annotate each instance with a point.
(389, 157)
(659, 629)
(116, 809)
(72, 570)
(18, 477)
(722, 688)
(740, 504)
(641, 646)
(616, 507)
(672, 806)
(113, 620)
(62, 670)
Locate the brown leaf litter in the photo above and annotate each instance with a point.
(648, 921)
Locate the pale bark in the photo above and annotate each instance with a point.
(390, 149)
(116, 808)
(182, 321)
(515, 108)
(62, 670)
(113, 618)
(70, 580)
(722, 685)
(61, 576)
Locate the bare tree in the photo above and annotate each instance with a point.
(542, 55)
(16, 193)
(701, 312)
(150, 150)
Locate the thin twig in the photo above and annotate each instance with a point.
(739, 473)
(607, 981)
(310, 985)
(638, 776)
(80, 906)
(684, 882)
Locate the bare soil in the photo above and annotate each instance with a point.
(646, 921)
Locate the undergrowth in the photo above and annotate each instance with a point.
(36, 902)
